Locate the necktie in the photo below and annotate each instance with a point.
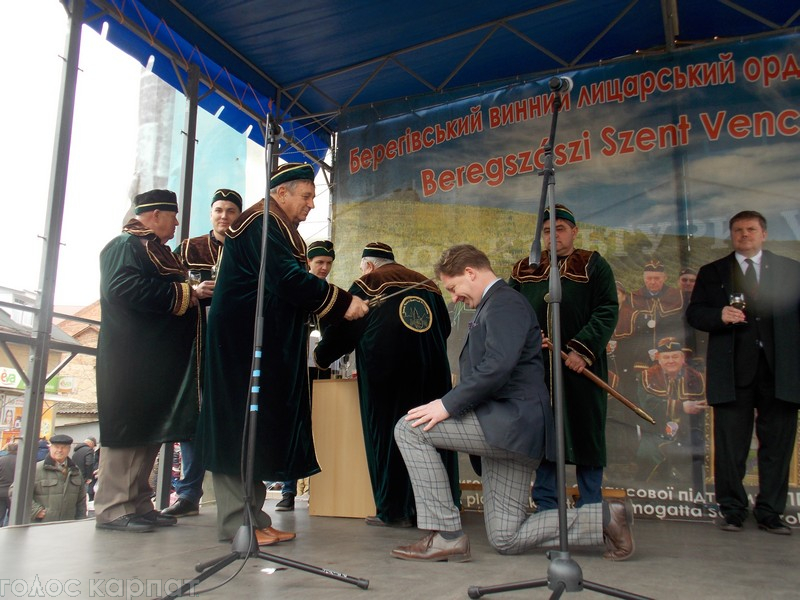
(750, 279)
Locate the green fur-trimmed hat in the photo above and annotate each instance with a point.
(155, 200)
(228, 195)
(669, 344)
(290, 172)
(562, 212)
(378, 250)
(654, 266)
(321, 248)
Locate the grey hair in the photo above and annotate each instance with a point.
(377, 262)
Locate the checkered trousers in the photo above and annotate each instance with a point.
(506, 479)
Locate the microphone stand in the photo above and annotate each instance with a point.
(564, 573)
(244, 544)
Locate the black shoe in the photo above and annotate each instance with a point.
(731, 524)
(181, 508)
(286, 503)
(775, 525)
(376, 521)
(159, 520)
(132, 523)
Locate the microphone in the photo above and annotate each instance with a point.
(274, 128)
(561, 84)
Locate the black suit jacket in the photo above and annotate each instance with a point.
(778, 296)
(502, 375)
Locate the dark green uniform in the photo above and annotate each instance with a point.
(588, 317)
(401, 358)
(284, 444)
(147, 382)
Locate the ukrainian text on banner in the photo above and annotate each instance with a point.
(653, 155)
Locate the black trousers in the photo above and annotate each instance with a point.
(776, 424)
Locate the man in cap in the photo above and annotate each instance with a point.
(588, 317)
(147, 380)
(401, 356)
(686, 280)
(284, 447)
(202, 254)
(320, 256)
(83, 456)
(659, 309)
(674, 394)
(59, 492)
(753, 375)
(696, 342)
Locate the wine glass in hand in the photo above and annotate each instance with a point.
(737, 301)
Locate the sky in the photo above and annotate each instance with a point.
(102, 154)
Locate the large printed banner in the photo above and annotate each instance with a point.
(653, 155)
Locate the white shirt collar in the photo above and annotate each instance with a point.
(486, 289)
(740, 258)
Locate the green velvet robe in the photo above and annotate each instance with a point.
(284, 444)
(147, 382)
(401, 359)
(588, 316)
(201, 254)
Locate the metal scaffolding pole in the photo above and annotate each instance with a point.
(43, 319)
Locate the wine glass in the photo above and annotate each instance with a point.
(194, 278)
(736, 300)
(213, 272)
(345, 364)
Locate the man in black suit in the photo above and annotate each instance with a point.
(752, 369)
(499, 411)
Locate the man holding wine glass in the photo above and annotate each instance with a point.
(200, 255)
(749, 302)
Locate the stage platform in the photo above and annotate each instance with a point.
(673, 560)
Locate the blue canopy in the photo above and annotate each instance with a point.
(307, 62)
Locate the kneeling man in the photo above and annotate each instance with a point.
(499, 411)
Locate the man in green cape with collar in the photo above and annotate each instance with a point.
(401, 355)
(284, 447)
(589, 312)
(147, 382)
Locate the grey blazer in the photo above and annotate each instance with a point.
(502, 376)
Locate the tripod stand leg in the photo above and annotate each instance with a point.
(362, 583)
(613, 592)
(476, 591)
(211, 566)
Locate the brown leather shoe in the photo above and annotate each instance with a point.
(282, 536)
(376, 521)
(265, 539)
(617, 533)
(433, 547)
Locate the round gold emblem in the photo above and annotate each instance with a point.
(415, 314)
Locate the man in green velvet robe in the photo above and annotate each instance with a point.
(401, 358)
(589, 311)
(147, 383)
(284, 448)
(201, 254)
